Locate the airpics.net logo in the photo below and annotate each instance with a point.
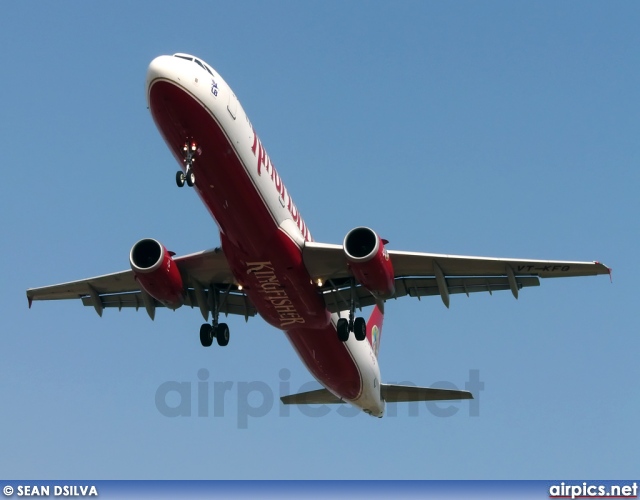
(256, 399)
(587, 490)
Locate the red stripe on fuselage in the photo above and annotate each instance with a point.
(263, 258)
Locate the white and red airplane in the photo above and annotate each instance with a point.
(269, 264)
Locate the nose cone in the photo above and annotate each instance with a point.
(160, 67)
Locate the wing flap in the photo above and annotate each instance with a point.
(337, 298)
(233, 303)
(421, 287)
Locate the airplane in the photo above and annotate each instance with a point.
(269, 264)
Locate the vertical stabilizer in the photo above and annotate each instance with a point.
(374, 329)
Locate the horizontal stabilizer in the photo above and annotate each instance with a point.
(390, 393)
(404, 393)
(319, 397)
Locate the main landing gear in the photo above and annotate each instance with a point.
(358, 325)
(188, 151)
(220, 331)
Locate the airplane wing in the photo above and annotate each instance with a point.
(206, 275)
(424, 274)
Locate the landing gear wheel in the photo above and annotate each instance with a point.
(222, 334)
(206, 335)
(343, 329)
(360, 329)
(191, 179)
(180, 178)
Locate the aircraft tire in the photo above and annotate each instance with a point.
(343, 329)
(191, 179)
(360, 329)
(180, 178)
(206, 335)
(222, 334)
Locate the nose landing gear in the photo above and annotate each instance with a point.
(188, 150)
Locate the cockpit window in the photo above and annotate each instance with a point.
(203, 66)
(196, 60)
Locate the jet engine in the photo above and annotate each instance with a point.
(157, 273)
(369, 261)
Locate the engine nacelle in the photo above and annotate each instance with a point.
(157, 273)
(369, 261)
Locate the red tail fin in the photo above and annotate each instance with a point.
(374, 329)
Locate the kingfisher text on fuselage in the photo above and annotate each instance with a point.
(274, 292)
(264, 161)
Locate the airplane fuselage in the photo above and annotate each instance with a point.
(261, 230)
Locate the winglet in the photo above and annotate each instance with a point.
(610, 272)
(30, 299)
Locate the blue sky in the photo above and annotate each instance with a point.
(497, 128)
